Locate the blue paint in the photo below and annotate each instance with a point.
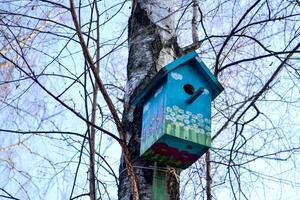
(176, 131)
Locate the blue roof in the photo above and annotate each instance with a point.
(160, 76)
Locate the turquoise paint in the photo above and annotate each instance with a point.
(175, 131)
(153, 114)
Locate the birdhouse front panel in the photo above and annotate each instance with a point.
(193, 118)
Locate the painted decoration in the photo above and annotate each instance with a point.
(176, 127)
(152, 130)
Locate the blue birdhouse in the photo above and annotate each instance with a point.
(176, 124)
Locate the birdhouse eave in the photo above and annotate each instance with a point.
(212, 80)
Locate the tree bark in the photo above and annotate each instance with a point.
(150, 33)
(208, 176)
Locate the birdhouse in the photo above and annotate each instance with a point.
(176, 123)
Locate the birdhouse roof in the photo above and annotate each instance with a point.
(195, 61)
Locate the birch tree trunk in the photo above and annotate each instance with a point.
(150, 33)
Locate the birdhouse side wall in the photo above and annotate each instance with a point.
(153, 118)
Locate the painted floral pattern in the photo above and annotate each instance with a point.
(188, 120)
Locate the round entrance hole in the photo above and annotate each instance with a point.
(189, 89)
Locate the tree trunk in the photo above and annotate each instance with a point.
(150, 33)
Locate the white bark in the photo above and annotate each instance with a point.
(160, 14)
(151, 27)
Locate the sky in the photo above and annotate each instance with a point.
(43, 166)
